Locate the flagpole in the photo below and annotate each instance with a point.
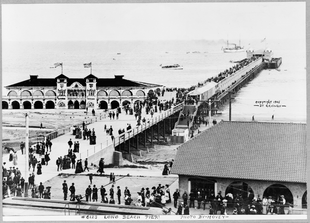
(62, 71)
(91, 68)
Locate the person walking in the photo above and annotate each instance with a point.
(185, 198)
(103, 193)
(112, 192)
(73, 160)
(47, 158)
(65, 189)
(86, 165)
(119, 193)
(41, 189)
(39, 168)
(176, 196)
(72, 190)
(58, 163)
(101, 165)
(88, 192)
(70, 143)
(95, 194)
(22, 146)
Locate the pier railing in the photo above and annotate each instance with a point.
(135, 131)
(106, 146)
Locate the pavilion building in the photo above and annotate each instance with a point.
(63, 92)
(262, 158)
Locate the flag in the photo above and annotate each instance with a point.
(87, 65)
(263, 40)
(57, 64)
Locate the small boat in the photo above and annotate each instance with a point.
(173, 67)
(235, 49)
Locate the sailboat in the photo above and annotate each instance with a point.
(235, 49)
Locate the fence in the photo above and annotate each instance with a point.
(135, 131)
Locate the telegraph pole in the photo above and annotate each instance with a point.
(209, 111)
(26, 155)
(230, 106)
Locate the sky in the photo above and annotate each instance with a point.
(153, 21)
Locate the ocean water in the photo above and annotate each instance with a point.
(141, 60)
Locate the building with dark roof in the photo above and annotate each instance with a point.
(264, 159)
(77, 93)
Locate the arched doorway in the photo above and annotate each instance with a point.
(275, 190)
(38, 105)
(124, 103)
(205, 186)
(70, 105)
(103, 105)
(304, 200)
(15, 105)
(76, 105)
(240, 188)
(114, 104)
(5, 105)
(50, 105)
(27, 105)
(83, 105)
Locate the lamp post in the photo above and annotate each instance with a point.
(26, 154)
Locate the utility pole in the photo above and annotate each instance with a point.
(26, 155)
(230, 106)
(210, 111)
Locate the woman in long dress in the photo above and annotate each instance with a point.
(39, 168)
(165, 170)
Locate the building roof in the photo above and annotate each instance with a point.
(117, 81)
(246, 150)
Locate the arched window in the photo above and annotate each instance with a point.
(38, 93)
(25, 94)
(102, 93)
(114, 93)
(50, 93)
(126, 93)
(140, 93)
(12, 94)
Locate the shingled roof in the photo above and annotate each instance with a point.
(118, 81)
(246, 150)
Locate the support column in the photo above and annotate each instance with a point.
(145, 138)
(164, 131)
(157, 132)
(152, 135)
